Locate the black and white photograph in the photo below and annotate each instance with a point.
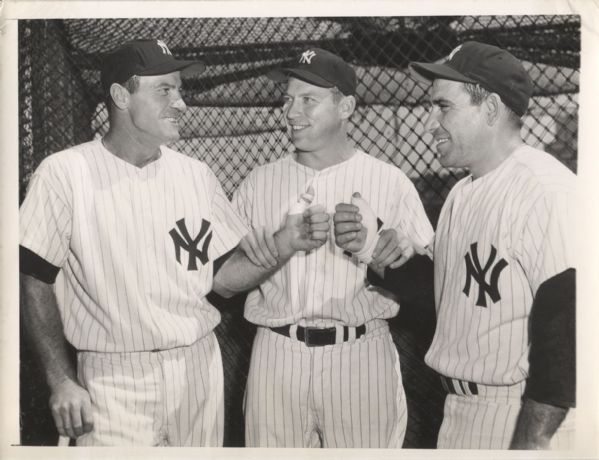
(250, 225)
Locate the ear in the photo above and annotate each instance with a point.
(493, 106)
(347, 105)
(120, 96)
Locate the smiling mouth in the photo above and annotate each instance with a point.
(173, 120)
(439, 141)
(296, 128)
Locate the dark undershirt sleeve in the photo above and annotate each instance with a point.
(552, 332)
(374, 278)
(221, 260)
(33, 265)
(400, 280)
(217, 300)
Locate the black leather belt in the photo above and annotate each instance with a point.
(458, 387)
(317, 337)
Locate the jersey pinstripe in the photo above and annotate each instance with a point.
(498, 239)
(134, 245)
(326, 286)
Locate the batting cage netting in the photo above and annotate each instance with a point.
(234, 123)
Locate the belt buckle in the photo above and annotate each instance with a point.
(307, 336)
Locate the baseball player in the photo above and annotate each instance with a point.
(324, 370)
(504, 272)
(121, 239)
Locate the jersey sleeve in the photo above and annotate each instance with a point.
(45, 217)
(409, 216)
(545, 247)
(228, 227)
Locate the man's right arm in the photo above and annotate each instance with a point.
(241, 271)
(69, 402)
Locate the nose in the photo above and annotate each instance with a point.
(292, 109)
(431, 123)
(178, 102)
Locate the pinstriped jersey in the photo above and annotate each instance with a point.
(325, 286)
(499, 237)
(135, 245)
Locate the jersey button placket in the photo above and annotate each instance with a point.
(318, 257)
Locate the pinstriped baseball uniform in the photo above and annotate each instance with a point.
(135, 247)
(343, 395)
(499, 237)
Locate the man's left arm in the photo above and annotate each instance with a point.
(551, 384)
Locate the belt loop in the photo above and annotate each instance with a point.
(457, 389)
(339, 333)
(293, 331)
(351, 334)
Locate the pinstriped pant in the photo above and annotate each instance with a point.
(344, 395)
(170, 397)
(488, 420)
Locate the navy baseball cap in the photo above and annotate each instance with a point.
(142, 58)
(321, 68)
(493, 68)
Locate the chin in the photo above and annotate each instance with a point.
(298, 145)
(172, 136)
(446, 164)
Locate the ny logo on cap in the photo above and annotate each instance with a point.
(306, 57)
(163, 46)
(452, 54)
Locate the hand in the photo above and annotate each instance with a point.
(259, 245)
(391, 250)
(303, 232)
(71, 409)
(350, 234)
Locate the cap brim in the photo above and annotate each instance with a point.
(187, 68)
(281, 75)
(432, 71)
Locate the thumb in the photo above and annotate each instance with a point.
(356, 195)
(310, 190)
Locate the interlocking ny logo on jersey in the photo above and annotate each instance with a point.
(183, 240)
(163, 46)
(306, 57)
(475, 271)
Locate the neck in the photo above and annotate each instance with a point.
(333, 154)
(129, 148)
(498, 150)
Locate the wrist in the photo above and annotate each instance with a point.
(56, 383)
(364, 255)
(60, 374)
(282, 239)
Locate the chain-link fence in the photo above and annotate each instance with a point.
(234, 117)
(234, 121)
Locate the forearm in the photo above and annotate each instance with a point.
(41, 319)
(238, 274)
(537, 423)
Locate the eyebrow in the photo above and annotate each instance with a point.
(440, 100)
(163, 83)
(302, 94)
